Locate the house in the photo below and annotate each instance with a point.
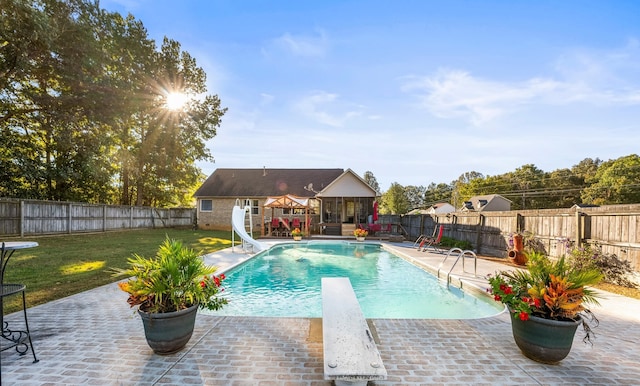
(441, 207)
(338, 199)
(486, 203)
(437, 208)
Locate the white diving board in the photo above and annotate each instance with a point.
(350, 353)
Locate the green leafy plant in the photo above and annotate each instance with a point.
(547, 289)
(448, 242)
(590, 256)
(529, 241)
(175, 279)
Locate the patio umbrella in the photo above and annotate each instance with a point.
(375, 211)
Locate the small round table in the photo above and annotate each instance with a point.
(16, 337)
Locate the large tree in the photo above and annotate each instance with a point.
(615, 182)
(370, 179)
(82, 107)
(438, 193)
(394, 200)
(415, 196)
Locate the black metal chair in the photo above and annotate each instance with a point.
(17, 338)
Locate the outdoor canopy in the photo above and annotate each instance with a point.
(288, 201)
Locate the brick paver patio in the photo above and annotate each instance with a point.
(94, 338)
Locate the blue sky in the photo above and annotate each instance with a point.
(413, 91)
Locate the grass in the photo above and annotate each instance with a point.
(66, 265)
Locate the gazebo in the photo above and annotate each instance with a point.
(288, 201)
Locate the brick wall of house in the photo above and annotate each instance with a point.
(220, 216)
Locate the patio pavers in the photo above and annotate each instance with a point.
(95, 338)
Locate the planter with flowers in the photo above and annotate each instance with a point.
(297, 234)
(547, 304)
(360, 234)
(168, 290)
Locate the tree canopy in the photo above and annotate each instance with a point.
(83, 107)
(591, 181)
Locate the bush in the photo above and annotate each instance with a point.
(615, 271)
(448, 242)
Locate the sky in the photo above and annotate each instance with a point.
(416, 92)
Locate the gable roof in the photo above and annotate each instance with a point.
(266, 182)
(479, 203)
(286, 201)
(348, 184)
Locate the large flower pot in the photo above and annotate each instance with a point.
(360, 239)
(169, 332)
(544, 340)
(297, 238)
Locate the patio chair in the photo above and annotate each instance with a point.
(308, 226)
(432, 243)
(295, 223)
(275, 227)
(286, 229)
(420, 240)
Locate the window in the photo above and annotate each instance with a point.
(253, 204)
(206, 205)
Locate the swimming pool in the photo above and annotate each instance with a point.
(285, 281)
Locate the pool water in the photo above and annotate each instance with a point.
(285, 281)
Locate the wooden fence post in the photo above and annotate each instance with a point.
(519, 223)
(21, 219)
(479, 231)
(579, 226)
(69, 217)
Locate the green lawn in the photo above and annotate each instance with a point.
(65, 265)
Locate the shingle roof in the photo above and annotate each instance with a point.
(266, 182)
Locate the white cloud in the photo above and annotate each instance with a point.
(325, 108)
(455, 93)
(595, 78)
(266, 99)
(306, 46)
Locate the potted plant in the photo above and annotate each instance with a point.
(360, 234)
(546, 303)
(297, 234)
(168, 290)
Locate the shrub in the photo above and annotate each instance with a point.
(615, 271)
(448, 242)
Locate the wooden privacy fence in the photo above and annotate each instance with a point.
(35, 217)
(616, 228)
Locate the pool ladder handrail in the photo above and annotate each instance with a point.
(461, 253)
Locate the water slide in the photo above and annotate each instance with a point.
(237, 222)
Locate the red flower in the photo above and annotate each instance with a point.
(536, 302)
(523, 316)
(203, 284)
(222, 276)
(508, 291)
(217, 281)
(497, 298)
